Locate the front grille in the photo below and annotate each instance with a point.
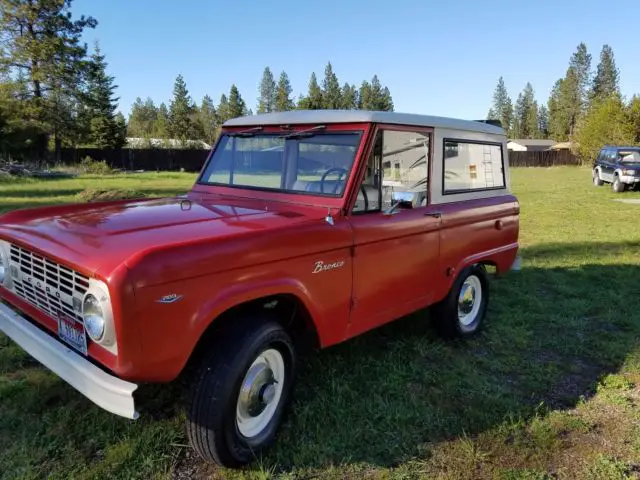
(47, 285)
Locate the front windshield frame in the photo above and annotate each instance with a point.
(276, 131)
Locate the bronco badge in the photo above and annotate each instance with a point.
(323, 267)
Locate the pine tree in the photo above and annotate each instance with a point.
(386, 102)
(101, 104)
(181, 112)
(223, 110)
(314, 99)
(502, 107)
(543, 121)
(564, 106)
(349, 97)
(531, 122)
(121, 127)
(161, 127)
(142, 119)
(605, 83)
(41, 45)
(525, 118)
(581, 64)
(331, 93)
(283, 94)
(237, 107)
(634, 116)
(375, 97)
(207, 117)
(267, 99)
(364, 96)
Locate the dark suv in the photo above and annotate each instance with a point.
(619, 166)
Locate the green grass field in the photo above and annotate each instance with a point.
(551, 388)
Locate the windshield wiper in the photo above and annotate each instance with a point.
(309, 132)
(250, 132)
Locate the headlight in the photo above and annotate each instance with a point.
(93, 316)
(629, 172)
(4, 267)
(97, 315)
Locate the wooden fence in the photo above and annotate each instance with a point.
(545, 158)
(191, 160)
(154, 159)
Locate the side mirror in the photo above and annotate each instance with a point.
(399, 200)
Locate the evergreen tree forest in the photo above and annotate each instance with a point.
(55, 91)
(585, 107)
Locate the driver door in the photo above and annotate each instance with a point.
(396, 250)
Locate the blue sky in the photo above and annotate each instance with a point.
(438, 58)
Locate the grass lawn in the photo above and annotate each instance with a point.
(551, 388)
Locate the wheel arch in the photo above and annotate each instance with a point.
(286, 304)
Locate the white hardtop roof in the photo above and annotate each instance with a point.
(314, 117)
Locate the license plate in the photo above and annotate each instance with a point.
(72, 333)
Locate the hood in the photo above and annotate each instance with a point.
(101, 236)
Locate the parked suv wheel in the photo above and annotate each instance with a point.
(617, 185)
(596, 178)
(462, 312)
(241, 393)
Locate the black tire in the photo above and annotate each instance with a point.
(212, 426)
(617, 185)
(597, 181)
(447, 319)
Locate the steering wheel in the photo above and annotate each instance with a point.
(341, 172)
(365, 197)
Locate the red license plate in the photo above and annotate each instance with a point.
(72, 332)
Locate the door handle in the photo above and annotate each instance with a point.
(433, 214)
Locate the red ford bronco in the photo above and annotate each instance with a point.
(297, 226)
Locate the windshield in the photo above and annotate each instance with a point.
(317, 163)
(630, 156)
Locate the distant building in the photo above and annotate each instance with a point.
(139, 142)
(529, 144)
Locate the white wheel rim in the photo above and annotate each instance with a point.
(260, 393)
(469, 300)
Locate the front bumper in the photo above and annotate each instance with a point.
(107, 391)
(630, 179)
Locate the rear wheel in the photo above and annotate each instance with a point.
(596, 178)
(241, 393)
(617, 185)
(462, 312)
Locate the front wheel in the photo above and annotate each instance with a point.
(241, 393)
(462, 312)
(617, 185)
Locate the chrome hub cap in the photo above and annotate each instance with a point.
(260, 393)
(469, 300)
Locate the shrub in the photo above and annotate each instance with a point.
(95, 167)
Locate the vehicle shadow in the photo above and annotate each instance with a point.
(552, 332)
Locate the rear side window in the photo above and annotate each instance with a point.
(471, 166)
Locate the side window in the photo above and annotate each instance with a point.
(601, 155)
(472, 166)
(405, 168)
